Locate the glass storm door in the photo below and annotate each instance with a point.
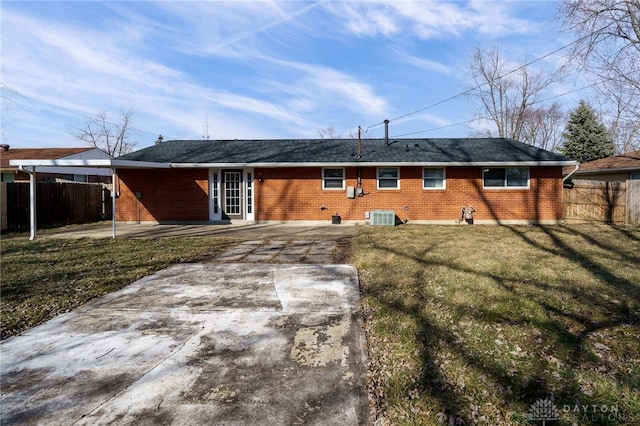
(232, 201)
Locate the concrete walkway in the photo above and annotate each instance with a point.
(237, 231)
(198, 344)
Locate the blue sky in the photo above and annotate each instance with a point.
(282, 69)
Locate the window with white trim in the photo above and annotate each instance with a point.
(215, 195)
(506, 177)
(388, 178)
(249, 192)
(333, 178)
(433, 178)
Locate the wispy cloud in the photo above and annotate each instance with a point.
(330, 86)
(422, 63)
(428, 19)
(256, 68)
(79, 69)
(231, 29)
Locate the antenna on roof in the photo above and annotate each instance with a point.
(206, 127)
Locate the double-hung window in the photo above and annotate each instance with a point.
(506, 177)
(433, 178)
(333, 178)
(388, 178)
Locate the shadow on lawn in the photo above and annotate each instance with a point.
(566, 331)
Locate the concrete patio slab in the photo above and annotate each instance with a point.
(197, 344)
(241, 231)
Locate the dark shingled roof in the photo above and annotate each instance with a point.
(342, 151)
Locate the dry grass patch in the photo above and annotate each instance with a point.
(473, 324)
(46, 277)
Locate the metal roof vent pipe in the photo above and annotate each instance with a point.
(386, 132)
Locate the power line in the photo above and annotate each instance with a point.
(468, 91)
(440, 128)
(533, 103)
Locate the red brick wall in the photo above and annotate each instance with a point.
(168, 195)
(297, 194)
(279, 197)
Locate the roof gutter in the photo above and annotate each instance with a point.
(378, 164)
(611, 170)
(131, 164)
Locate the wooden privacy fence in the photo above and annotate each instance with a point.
(601, 201)
(57, 204)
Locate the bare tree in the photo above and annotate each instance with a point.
(609, 36)
(623, 117)
(329, 133)
(112, 138)
(543, 126)
(608, 47)
(508, 99)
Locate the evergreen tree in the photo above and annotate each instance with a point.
(585, 137)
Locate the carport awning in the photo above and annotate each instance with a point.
(30, 166)
(101, 163)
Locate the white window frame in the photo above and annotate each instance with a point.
(333, 178)
(249, 194)
(444, 178)
(505, 183)
(397, 179)
(215, 189)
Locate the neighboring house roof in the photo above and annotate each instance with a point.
(618, 163)
(56, 160)
(293, 152)
(37, 154)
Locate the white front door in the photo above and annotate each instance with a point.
(233, 195)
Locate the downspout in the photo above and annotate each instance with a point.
(571, 173)
(32, 200)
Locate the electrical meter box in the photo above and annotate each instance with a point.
(351, 192)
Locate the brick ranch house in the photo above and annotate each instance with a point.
(422, 180)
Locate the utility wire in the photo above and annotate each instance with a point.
(466, 92)
(440, 128)
(533, 103)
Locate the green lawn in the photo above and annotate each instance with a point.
(46, 277)
(474, 324)
(464, 324)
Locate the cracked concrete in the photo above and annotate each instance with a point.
(199, 344)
